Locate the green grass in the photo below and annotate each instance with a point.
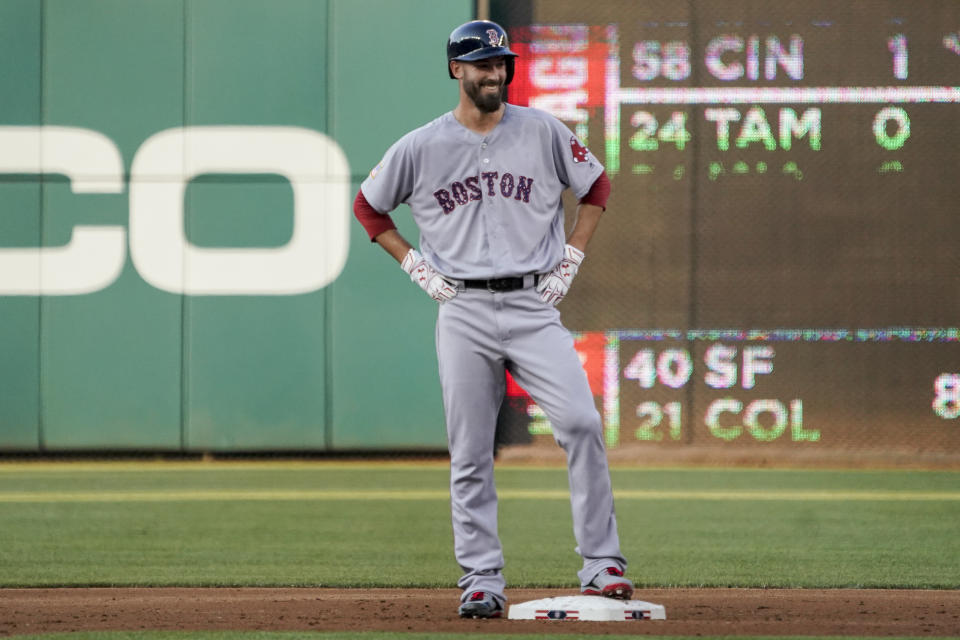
(370, 635)
(343, 525)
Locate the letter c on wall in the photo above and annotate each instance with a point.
(94, 256)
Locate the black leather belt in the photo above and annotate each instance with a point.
(504, 284)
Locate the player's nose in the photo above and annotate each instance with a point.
(496, 76)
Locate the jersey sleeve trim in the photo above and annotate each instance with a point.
(599, 192)
(372, 220)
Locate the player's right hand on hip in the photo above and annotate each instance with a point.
(421, 272)
(557, 283)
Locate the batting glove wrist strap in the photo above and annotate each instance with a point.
(573, 255)
(422, 273)
(555, 286)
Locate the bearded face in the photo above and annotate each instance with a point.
(484, 82)
(486, 94)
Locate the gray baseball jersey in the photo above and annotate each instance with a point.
(487, 206)
(490, 207)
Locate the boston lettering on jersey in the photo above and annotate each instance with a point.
(471, 189)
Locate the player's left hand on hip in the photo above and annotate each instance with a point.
(423, 273)
(556, 284)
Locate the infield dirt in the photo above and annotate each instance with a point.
(690, 612)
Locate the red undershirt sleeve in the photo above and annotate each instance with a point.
(599, 192)
(372, 220)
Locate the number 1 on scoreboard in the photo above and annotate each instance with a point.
(898, 47)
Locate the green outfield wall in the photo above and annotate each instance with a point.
(254, 314)
(774, 278)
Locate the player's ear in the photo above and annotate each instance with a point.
(456, 68)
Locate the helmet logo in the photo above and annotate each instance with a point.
(494, 37)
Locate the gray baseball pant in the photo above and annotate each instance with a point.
(478, 335)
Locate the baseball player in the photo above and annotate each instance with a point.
(484, 184)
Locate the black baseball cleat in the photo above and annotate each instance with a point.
(481, 604)
(609, 583)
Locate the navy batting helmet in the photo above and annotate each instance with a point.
(477, 40)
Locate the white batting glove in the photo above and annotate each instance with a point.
(421, 272)
(555, 286)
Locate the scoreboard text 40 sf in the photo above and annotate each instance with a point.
(714, 387)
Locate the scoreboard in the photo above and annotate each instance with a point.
(779, 261)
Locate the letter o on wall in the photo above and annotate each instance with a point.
(317, 170)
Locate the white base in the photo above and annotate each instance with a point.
(593, 608)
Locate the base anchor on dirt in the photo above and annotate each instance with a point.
(591, 608)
